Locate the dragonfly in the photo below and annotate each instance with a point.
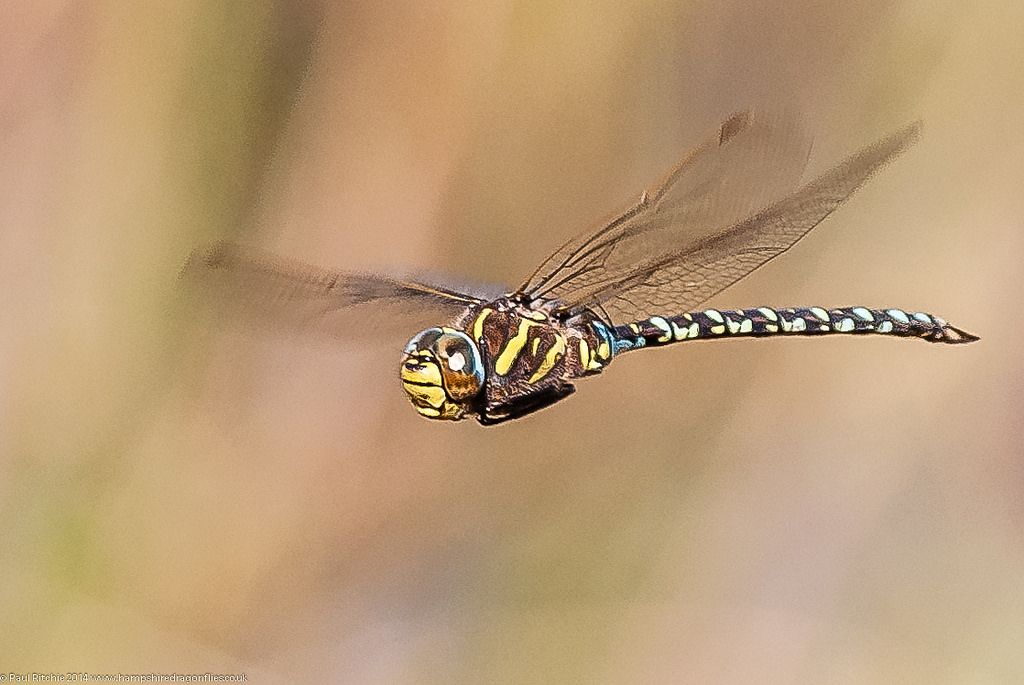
(638, 281)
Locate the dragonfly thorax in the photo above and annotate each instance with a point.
(442, 373)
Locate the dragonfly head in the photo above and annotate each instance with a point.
(442, 372)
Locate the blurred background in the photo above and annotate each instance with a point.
(182, 495)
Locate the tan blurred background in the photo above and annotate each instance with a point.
(181, 497)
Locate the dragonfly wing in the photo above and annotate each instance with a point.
(258, 286)
(683, 278)
(747, 164)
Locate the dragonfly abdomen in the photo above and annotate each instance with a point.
(769, 321)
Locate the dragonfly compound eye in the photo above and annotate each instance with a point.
(442, 372)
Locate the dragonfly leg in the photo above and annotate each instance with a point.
(493, 414)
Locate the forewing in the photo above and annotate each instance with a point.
(259, 287)
(747, 164)
(682, 280)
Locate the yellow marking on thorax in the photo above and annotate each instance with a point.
(590, 358)
(478, 325)
(536, 344)
(604, 353)
(507, 357)
(553, 355)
